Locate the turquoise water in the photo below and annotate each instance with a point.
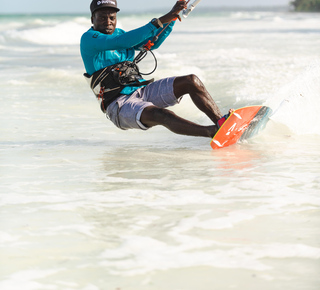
(87, 206)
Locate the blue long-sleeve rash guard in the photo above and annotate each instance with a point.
(99, 50)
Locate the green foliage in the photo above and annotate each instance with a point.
(306, 5)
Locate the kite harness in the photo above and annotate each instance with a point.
(108, 82)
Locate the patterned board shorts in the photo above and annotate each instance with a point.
(125, 112)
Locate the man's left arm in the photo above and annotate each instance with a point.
(171, 18)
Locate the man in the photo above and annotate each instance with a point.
(138, 104)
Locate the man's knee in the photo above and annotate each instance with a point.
(193, 80)
(185, 84)
(188, 80)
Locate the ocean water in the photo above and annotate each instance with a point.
(87, 206)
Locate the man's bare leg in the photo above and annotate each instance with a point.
(193, 86)
(152, 116)
(190, 84)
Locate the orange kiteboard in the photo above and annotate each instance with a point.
(242, 124)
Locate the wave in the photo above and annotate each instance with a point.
(45, 31)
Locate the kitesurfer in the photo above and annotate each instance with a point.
(127, 99)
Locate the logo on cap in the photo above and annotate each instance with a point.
(106, 2)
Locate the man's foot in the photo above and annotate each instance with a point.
(224, 118)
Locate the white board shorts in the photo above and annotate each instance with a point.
(125, 112)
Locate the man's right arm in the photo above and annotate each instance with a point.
(95, 41)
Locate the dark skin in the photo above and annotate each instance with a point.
(105, 21)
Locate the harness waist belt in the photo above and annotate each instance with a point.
(108, 82)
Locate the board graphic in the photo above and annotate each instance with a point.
(242, 124)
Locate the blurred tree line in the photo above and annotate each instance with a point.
(306, 5)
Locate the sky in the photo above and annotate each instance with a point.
(82, 6)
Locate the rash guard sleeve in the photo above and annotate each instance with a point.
(96, 41)
(164, 34)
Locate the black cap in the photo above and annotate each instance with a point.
(99, 4)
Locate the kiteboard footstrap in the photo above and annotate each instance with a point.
(222, 120)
